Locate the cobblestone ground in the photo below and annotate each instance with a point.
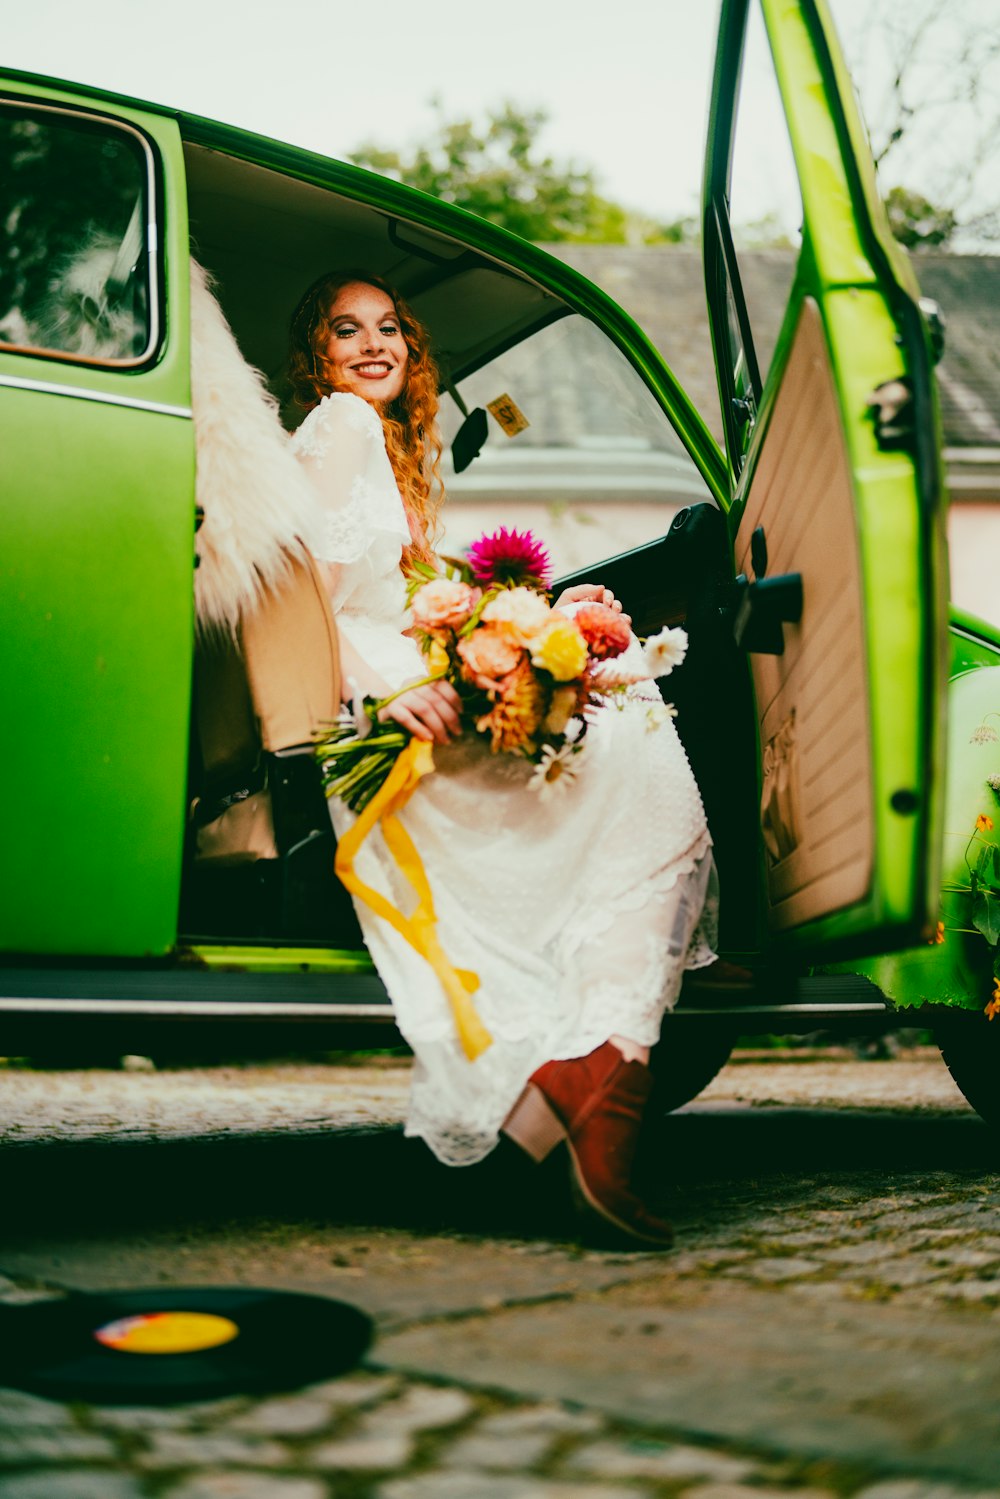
(137, 1103)
(440, 1410)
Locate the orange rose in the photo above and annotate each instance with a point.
(444, 604)
(489, 655)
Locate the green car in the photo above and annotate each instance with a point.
(837, 719)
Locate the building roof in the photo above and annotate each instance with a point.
(661, 287)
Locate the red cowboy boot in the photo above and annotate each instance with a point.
(594, 1104)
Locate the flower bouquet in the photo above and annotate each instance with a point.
(529, 677)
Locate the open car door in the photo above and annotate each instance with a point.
(837, 520)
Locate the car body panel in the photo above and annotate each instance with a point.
(955, 966)
(97, 622)
(873, 334)
(101, 774)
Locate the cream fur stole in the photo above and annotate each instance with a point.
(260, 510)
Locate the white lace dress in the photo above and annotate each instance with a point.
(579, 913)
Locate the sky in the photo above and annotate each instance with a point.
(626, 86)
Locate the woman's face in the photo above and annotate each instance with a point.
(365, 344)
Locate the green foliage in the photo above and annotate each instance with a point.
(499, 171)
(986, 914)
(917, 223)
(984, 874)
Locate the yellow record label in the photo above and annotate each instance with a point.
(511, 418)
(167, 1332)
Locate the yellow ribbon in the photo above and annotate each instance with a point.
(420, 929)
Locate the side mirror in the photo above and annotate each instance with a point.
(469, 439)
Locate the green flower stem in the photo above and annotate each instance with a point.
(408, 687)
(358, 774)
(974, 839)
(363, 746)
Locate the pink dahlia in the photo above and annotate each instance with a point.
(513, 557)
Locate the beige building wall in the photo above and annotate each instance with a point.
(974, 543)
(578, 535)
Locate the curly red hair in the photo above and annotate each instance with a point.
(412, 440)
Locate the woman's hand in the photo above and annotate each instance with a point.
(592, 593)
(428, 712)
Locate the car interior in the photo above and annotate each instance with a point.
(264, 237)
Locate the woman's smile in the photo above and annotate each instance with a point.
(365, 344)
(374, 371)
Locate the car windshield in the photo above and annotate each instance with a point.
(596, 466)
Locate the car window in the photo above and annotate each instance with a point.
(596, 470)
(758, 207)
(765, 204)
(75, 264)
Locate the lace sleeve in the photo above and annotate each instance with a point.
(341, 447)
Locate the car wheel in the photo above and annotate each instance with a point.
(970, 1045)
(685, 1062)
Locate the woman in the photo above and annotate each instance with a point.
(579, 914)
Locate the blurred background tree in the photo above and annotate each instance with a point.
(497, 169)
(928, 73)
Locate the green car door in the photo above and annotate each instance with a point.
(837, 520)
(96, 528)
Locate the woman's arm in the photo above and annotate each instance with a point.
(340, 443)
(427, 712)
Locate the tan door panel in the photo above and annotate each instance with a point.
(812, 702)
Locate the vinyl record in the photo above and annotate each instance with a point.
(160, 1347)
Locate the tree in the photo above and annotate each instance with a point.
(499, 171)
(918, 224)
(929, 76)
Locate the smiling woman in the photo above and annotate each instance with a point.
(573, 924)
(366, 352)
(351, 333)
(123, 910)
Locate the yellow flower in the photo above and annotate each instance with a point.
(938, 936)
(517, 712)
(561, 651)
(437, 657)
(984, 824)
(993, 1008)
(561, 709)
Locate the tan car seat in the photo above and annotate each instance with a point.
(258, 701)
(266, 692)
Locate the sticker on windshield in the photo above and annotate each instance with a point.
(510, 417)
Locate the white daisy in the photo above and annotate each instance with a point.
(554, 771)
(664, 651)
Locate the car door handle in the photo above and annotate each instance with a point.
(763, 609)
